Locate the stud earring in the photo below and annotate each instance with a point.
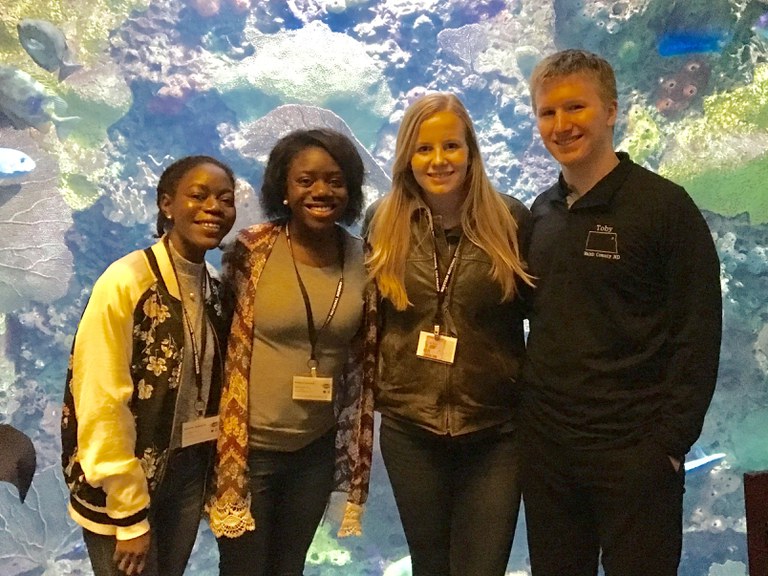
(285, 201)
(168, 217)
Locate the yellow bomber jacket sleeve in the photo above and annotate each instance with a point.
(102, 389)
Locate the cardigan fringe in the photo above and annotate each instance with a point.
(231, 517)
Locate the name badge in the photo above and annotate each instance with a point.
(314, 388)
(442, 349)
(200, 430)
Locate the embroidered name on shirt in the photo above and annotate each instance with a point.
(602, 243)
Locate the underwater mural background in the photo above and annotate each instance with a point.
(97, 96)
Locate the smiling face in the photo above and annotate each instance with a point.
(316, 191)
(202, 211)
(441, 157)
(575, 121)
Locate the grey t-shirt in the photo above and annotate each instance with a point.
(281, 345)
(190, 276)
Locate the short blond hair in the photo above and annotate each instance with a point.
(567, 62)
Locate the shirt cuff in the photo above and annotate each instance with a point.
(131, 532)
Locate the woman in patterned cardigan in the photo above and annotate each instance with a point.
(296, 410)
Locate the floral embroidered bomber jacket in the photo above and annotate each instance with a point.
(229, 507)
(122, 386)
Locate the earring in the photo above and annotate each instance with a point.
(285, 201)
(168, 217)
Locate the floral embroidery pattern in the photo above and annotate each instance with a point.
(154, 308)
(216, 296)
(175, 378)
(168, 347)
(143, 335)
(152, 462)
(149, 462)
(156, 365)
(145, 390)
(157, 356)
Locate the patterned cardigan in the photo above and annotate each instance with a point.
(229, 506)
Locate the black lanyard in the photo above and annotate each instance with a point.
(314, 334)
(196, 356)
(441, 287)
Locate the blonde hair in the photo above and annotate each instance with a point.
(485, 219)
(567, 62)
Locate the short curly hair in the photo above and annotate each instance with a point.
(341, 149)
(169, 181)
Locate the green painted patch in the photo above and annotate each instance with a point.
(732, 192)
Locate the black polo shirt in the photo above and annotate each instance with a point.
(626, 318)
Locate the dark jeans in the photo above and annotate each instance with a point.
(624, 504)
(289, 493)
(173, 519)
(458, 499)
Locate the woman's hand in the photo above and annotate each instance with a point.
(130, 555)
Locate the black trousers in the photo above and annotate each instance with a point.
(458, 499)
(289, 493)
(620, 506)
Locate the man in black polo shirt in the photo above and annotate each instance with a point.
(624, 340)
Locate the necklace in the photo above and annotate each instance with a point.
(198, 352)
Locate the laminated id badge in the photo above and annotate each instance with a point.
(315, 388)
(200, 430)
(436, 347)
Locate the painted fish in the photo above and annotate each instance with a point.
(14, 163)
(400, 568)
(697, 459)
(27, 103)
(18, 460)
(47, 46)
(680, 43)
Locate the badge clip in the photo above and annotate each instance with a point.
(312, 364)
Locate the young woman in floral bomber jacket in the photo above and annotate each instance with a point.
(145, 369)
